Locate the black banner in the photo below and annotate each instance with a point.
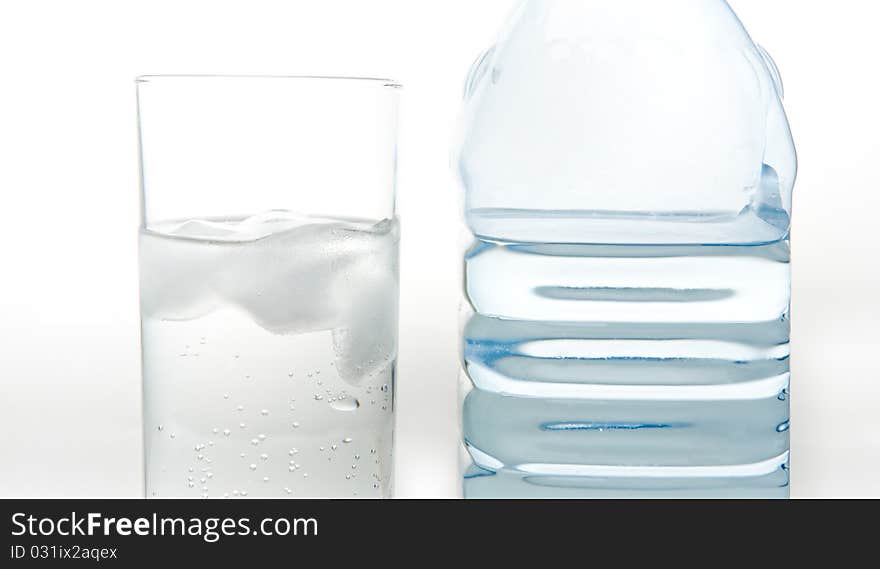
(127, 533)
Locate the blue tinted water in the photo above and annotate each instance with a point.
(626, 370)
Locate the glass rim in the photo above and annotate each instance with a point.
(383, 82)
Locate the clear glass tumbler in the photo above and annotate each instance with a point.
(269, 285)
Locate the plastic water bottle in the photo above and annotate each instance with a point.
(628, 171)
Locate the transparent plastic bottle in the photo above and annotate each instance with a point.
(628, 171)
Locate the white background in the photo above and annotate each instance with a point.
(69, 363)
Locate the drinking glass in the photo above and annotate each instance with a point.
(269, 285)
